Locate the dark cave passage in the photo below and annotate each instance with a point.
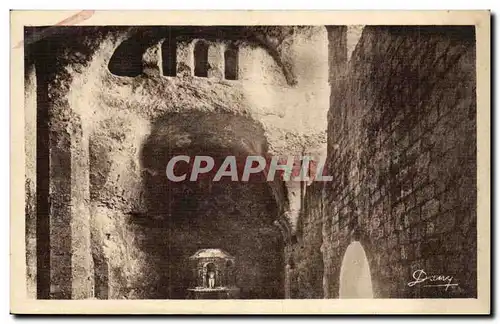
(186, 216)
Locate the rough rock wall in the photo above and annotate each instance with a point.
(131, 108)
(30, 179)
(402, 152)
(64, 266)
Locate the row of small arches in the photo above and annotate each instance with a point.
(127, 59)
(201, 63)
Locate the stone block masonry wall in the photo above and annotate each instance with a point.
(402, 151)
(305, 259)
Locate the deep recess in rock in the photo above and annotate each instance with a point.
(188, 216)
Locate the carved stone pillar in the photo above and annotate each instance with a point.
(185, 58)
(216, 60)
(64, 248)
(71, 266)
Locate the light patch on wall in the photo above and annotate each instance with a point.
(182, 140)
(355, 277)
(353, 35)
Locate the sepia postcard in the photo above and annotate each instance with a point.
(250, 162)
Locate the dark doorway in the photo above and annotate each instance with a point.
(169, 56)
(201, 59)
(231, 63)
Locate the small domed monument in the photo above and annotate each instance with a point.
(213, 275)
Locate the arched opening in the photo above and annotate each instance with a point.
(231, 63)
(201, 59)
(127, 58)
(186, 216)
(169, 56)
(355, 277)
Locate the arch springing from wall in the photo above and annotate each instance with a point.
(355, 277)
(231, 63)
(201, 59)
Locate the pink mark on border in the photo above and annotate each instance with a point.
(71, 20)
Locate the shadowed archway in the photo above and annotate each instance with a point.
(183, 217)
